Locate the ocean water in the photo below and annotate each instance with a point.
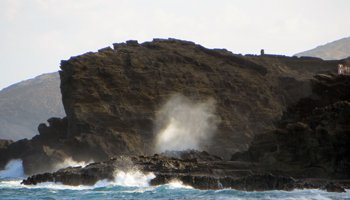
(134, 185)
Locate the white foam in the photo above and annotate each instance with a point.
(13, 169)
(132, 178)
(140, 190)
(175, 184)
(60, 186)
(10, 184)
(69, 162)
(47, 185)
(182, 124)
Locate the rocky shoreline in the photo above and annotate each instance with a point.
(198, 173)
(282, 122)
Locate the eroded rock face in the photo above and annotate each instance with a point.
(313, 138)
(111, 98)
(116, 93)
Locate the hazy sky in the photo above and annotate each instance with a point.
(36, 34)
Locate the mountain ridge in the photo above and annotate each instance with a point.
(24, 105)
(335, 50)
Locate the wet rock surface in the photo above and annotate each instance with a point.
(198, 174)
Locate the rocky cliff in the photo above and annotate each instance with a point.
(308, 149)
(112, 97)
(118, 91)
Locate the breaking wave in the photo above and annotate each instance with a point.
(173, 190)
(13, 169)
(132, 178)
(69, 162)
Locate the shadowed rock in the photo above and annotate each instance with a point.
(313, 138)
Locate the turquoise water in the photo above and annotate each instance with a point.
(11, 189)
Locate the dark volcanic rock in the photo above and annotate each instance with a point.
(332, 187)
(257, 182)
(43, 151)
(313, 137)
(307, 150)
(111, 98)
(198, 174)
(191, 155)
(4, 145)
(115, 93)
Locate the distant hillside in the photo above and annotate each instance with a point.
(26, 104)
(336, 50)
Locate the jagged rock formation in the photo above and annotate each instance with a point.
(111, 98)
(26, 104)
(335, 50)
(197, 172)
(313, 137)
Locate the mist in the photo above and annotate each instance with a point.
(69, 162)
(182, 124)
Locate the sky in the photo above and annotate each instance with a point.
(35, 35)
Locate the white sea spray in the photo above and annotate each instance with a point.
(13, 169)
(182, 124)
